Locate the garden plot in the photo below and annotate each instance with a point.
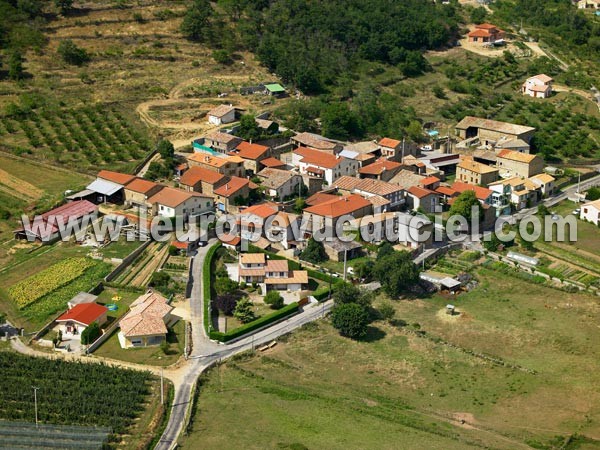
(139, 272)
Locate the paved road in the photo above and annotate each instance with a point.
(205, 352)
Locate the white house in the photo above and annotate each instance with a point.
(79, 317)
(171, 202)
(538, 86)
(221, 114)
(271, 274)
(591, 212)
(323, 164)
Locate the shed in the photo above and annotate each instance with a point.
(274, 89)
(81, 298)
(523, 259)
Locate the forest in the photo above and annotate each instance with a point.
(312, 44)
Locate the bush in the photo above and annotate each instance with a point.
(72, 54)
(386, 311)
(90, 334)
(274, 299)
(222, 57)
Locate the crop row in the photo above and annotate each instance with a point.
(45, 282)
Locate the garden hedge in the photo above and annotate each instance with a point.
(206, 271)
(256, 324)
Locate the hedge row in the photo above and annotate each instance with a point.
(256, 324)
(206, 271)
(324, 277)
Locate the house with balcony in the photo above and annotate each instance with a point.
(270, 274)
(323, 165)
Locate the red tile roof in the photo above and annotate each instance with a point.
(379, 166)
(263, 210)
(196, 174)
(232, 187)
(480, 192)
(247, 150)
(420, 192)
(390, 143)
(140, 185)
(446, 190)
(172, 197)
(318, 158)
(116, 177)
(339, 206)
(272, 162)
(320, 197)
(429, 180)
(85, 313)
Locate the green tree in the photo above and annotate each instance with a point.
(222, 56)
(274, 299)
(90, 334)
(249, 129)
(340, 122)
(299, 205)
(463, 206)
(225, 285)
(364, 269)
(64, 6)
(72, 54)
(165, 149)
(243, 310)
(593, 193)
(15, 66)
(314, 252)
(350, 319)
(385, 248)
(164, 347)
(478, 15)
(492, 244)
(348, 293)
(196, 24)
(396, 272)
(386, 311)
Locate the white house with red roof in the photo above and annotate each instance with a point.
(79, 317)
(322, 164)
(538, 86)
(271, 274)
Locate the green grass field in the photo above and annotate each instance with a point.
(409, 383)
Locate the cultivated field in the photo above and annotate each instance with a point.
(517, 365)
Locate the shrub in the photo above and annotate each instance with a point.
(72, 54)
(274, 299)
(351, 320)
(90, 334)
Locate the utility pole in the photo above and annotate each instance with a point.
(402, 160)
(162, 387)
(578, 182)
(35, 389)
(345, 261)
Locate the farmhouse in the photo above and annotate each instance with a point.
(491, 131)
(396, 150)
(472, 172)
(139, 190)
(234, 191)
(225, 165)
(544, 182)
(222, 142)
(538, 86)
(383, 169)
(315, 141)
(519, 164)
(79, 317)
(418, 198)
(485, 33)
(271, 274)
(323, 164)
(170, 202)
(280, 184)
(338, 250)
(46, 228)
(591, 212)
(252, 154)
(199, 179)
(146, 323)
(326, 214)
(221, 114)
(369, 188)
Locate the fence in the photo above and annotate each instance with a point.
(107, 333)
(144, 161)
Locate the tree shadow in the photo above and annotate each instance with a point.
(373, 334)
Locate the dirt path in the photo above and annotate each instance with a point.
(535, 48)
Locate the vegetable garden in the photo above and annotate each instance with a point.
(71, 393)
(138, 274)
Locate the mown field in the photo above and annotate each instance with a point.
(411, 382)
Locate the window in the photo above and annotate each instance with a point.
(208, 204)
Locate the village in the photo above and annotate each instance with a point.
(178, 302)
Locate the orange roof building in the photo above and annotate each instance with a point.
(485, 33)
(352, 204)
(116, 177)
